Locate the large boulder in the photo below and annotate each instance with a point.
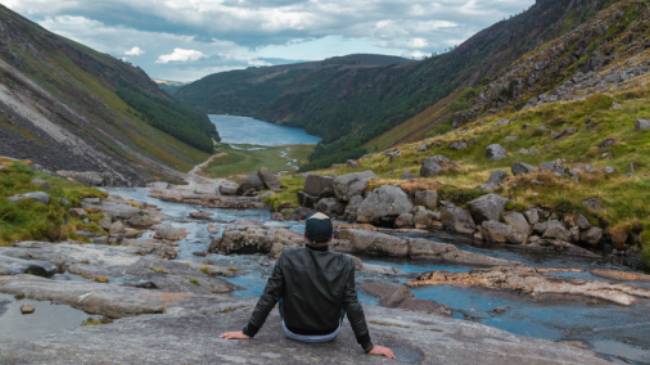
(423, 218)
(269, 179)
(250, 185)
(554, 229)
(371, 243)
(255, 239)
(434, 166)
(330, 206)
(496, 232)
(350, 185)
(426, 198)
(228, 187)
(383, 205)
(35, 196)
(317, 185)
(487, 207)
(520, 227)
(592, 236)
(457, 219)
(496, 152)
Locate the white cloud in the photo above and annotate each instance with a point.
(181, 55)
(134, 52)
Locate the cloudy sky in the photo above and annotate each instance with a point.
(184, 40)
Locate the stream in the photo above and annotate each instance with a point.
(614, 331)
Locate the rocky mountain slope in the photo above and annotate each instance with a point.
(353, 106)
(68, 107)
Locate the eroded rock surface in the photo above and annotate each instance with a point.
(189, 335)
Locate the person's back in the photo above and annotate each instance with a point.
(315, 289)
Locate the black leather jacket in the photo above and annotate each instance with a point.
(315, 288)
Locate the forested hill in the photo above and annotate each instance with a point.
(350, 106)
(67, 106)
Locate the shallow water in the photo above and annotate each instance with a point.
(617, 332)
(245, 130)
(47, 319)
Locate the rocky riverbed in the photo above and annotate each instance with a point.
(171, 276)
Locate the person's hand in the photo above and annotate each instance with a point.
(239, 335)
(382, 351)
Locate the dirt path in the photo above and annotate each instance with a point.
(194, 176)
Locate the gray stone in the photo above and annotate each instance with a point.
(357, 241)
(318, 185)
(423, 217)
(330, 206)
(383, 205)
(642, 125)
(143, 220)
(502, 122)
(15, 266)
(228, 187)
(458, 145)
(497, 177)
(592, 236)
(352, 208)
(554, 229)
(40, 183)
(583, 222)
(169, 233)
(532, 215)
(496, 152)
(487, 207)
(270, 180)
(522, 168)
(557, 167)
(426, 198)
(520, 227)
(496, 232)
(250, 185)
(420, 248)
(201, 215)
(255, 239)
(457, 219)
(350, 185)
(36, 196)
(404, 220)
(400, 296)
(187, 334)
(434, 166)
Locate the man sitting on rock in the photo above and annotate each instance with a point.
(315, 289)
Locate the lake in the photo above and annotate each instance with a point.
(245, 130)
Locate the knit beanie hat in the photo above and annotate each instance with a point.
(318, 230)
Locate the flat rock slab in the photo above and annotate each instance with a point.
(109, 300)
(14, 266)
(191, 337)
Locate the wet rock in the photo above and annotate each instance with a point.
(36, 196)
(254, 239)
(330, 206)
(426, 198)
(186, 335)
(457, 219)
(350, 185)
(430, 250)
(143, 220)
(522, 168)
(228, 187)
(592, 236)
(495, 152)
(642, 125)
(532, 282)
(201, 215)
(320, 186)
(554, 229)
(169, 233)
(114, 209)
(487, 207)
(434, 166)
(250, 185)
(400, 296)
(621, 275)
(496, 179)
(90, 178)
(27, 309)
(520, 227)
(187, 195)
(495, 232)
(383, 205)
(270, 180)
